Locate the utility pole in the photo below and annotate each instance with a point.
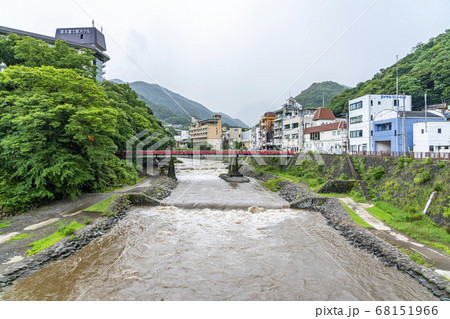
(404, 125)
(323, 98)
(396, 98)
(425, 110)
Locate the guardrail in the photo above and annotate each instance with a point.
(415, 155)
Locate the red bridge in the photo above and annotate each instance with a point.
(219, 153)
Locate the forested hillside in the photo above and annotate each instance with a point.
(59, 128)
(312, 96)
(427, 68)
(178, 111)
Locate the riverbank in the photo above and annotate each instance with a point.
(338, 218)
(17, 265)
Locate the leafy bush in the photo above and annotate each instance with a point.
(272, 184)
(343, 176)
(441, 164)
(427, 161)
(438, 187)
(426, 176)
(378, 173)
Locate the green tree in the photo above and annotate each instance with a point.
(57, 133)
(27, 51)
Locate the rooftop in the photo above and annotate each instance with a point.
(326, 127)
(323, 114)
(97, 51)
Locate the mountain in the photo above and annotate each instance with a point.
(426, 68)
(312, 96)
(174, 108)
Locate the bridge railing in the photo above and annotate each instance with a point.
(210, 152)
(415, 155)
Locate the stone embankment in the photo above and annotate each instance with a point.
(150, 196)
(338, 218)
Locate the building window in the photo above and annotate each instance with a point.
(395, 102)
(422, 131)
(354, 148)
(383, 127)
(356, 119)
(371, 102)
(334, 133)
(379, 102)
(355, 106)
(357, 133)
(294, 125)
(287, 127)
(315, 136)
(431, 148)
(439, 131)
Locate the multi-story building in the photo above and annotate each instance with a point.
(255, 138)
(89, 38)
(289, 111)
(207, 132)
(234, 135)
(326, 138)
(390, 134)
(266, 130)
(431, 137)
(246, 137)
(361, 113)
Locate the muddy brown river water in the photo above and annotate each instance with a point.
(217, 241)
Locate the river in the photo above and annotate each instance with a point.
(211, 240)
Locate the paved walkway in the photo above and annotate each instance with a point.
(41, 222)
(432, 256)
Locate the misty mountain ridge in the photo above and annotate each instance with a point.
(175, 109)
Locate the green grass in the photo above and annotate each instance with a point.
(333, 194)
(417, 226)
(314, 183)
(19, 237)
(62, 232)
(380, 214)
(415, 256)
(355, 217)
(101, 206)
(272, 184)
(4, 224)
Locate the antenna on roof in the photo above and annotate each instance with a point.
(102, 29)
(323, 98)
(93, 24)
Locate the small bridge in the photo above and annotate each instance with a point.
(205, 154)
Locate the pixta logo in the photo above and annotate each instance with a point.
(139, 149)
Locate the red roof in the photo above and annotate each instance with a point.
(323, 114)
(326, 127)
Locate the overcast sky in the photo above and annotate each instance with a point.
(241, 57)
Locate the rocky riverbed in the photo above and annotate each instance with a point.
(338, 218)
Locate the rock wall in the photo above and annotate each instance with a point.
(337, 186)
(339, 219)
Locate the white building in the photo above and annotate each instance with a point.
(181, 135)
(255, 141)
(362, 111)
(285, 119)
(326, 138)
(431, 137)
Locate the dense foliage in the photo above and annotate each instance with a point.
(427, 68)
(27, 51)
(60, 129)
(312, 97)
